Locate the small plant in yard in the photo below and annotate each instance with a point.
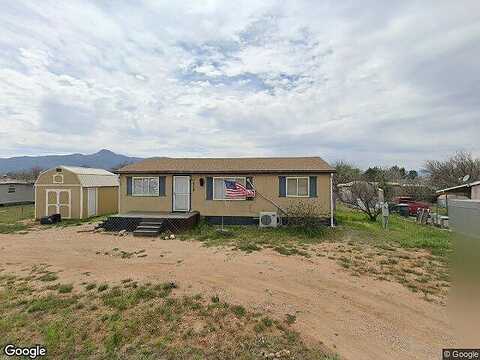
(305, 218)
(49, 276)
(102, 287)
(238, 310)
(290, 319)
(90, 286)
(65, 288)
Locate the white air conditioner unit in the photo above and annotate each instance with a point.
(268, 219)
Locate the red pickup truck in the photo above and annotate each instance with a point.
(413, 205)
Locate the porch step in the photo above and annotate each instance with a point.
(148, 228)
(150, 233)
(151, 223)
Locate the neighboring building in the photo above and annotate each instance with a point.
(345, 190)
(197, 184)
(464, 217)
(466, 191)
(14, 191)
(76, 192)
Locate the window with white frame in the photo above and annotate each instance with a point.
(145, 186)
(219, 187)
(58, 179)
(11, 188)
(297, 186)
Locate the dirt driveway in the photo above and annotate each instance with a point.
(359, 318)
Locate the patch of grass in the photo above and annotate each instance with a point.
(16, 213)
(290, 319)
(12, 228)
(238, 310)
(90, 286)
(49, 303)
(65, 288)
(90, 325)
(49, 276)
(251, 238)
(102, 287)
(400, 233)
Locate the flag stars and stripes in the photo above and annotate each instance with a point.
(236, 190)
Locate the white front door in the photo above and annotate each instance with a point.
(181, 193)
(92, 201)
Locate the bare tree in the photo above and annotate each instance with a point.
(364, 197)
(27, 175)
(450, 172)
(345, 172)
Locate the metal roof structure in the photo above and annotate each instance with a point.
(91, 177)
(458, 187)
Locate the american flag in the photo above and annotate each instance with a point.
(235, 190)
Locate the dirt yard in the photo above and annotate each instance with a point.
(356, 317)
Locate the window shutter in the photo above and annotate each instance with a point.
(249, 183)
(249, 186)
(209, 188)
(161, 186)
(282, 186)
(129, 185)
(313, 186)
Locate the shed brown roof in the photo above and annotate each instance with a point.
(229, 165)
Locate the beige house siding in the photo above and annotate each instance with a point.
(268, 185)
(145, 203)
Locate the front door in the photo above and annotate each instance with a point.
(58, 202)
(92, 201)
(181, 193)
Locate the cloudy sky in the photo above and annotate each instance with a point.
(371, 82)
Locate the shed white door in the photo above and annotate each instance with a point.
(59, 202)
(92, 201)
(181, 193)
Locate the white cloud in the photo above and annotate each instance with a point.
(370, 84)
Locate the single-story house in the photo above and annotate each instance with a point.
(76, 192)
(199, 184)
(14, 191)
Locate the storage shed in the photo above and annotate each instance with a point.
(76, 192)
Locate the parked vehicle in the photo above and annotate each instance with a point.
(413, 206)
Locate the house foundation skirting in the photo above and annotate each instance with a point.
(249, 220)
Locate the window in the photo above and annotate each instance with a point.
(58, 178)
(145, 186)
(11, 188)
(297, 186)
(219, 187)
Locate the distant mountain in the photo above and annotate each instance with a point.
(104, 159)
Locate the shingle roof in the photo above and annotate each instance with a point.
(229, 165)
